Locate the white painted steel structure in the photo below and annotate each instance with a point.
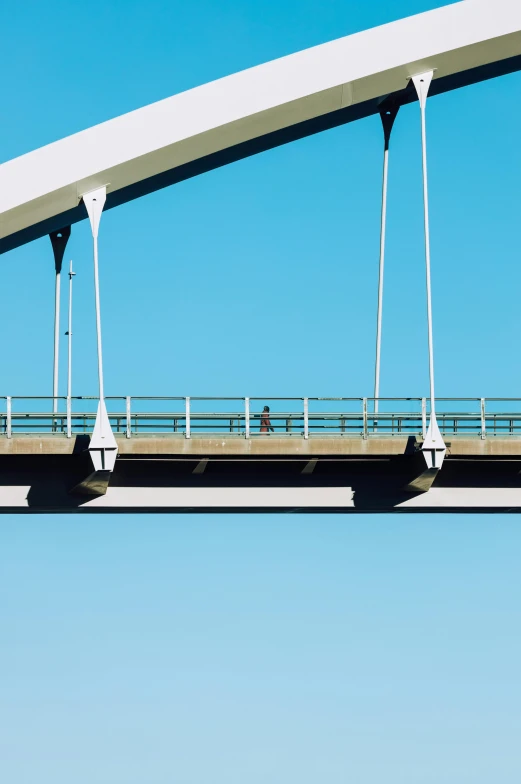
(434, 448)
(103, 447)
(212, 455)
(253, 110)
(69, 355)
(374, 72)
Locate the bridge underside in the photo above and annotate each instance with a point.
(171, 474)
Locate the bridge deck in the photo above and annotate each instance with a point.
(269, 474)
(294, 447)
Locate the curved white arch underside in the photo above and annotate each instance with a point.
(137, 146)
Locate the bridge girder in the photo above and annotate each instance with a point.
(334, 475)
(255, 110)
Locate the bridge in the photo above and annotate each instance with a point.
(209, 454)
(364, 454)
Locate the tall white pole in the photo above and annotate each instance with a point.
(381, 282)
(103, 447)
(388, 117)
(59, 240)
(69, 333)
(422, 84)
(434, 448)
(57, 288)
(98, 320)
(94, 202)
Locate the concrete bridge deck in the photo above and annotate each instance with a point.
(169, 473)
(269, 446)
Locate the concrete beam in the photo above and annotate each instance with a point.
(293, 446)
(164, 482)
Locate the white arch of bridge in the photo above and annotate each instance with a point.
(254, 110)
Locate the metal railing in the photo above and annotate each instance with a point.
(244, 417)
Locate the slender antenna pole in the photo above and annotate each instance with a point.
(387, 116)
(69, 333)
(57, 289)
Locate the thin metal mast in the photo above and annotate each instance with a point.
(387, 116)
(69, 333)
(57, 289)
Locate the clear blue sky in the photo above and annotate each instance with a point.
(248, 650)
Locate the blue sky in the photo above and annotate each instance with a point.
(261, 649)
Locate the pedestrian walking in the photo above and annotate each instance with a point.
(265, 421)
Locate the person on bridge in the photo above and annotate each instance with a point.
(265, 421)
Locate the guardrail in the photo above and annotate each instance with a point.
(310, 417)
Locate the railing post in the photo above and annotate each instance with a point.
(187, 430)
(129, 417)
(483, 419)
(364, 416)
(424, 418)
(69, 417)
(247, 417)
(9, 423)
(306, 418)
